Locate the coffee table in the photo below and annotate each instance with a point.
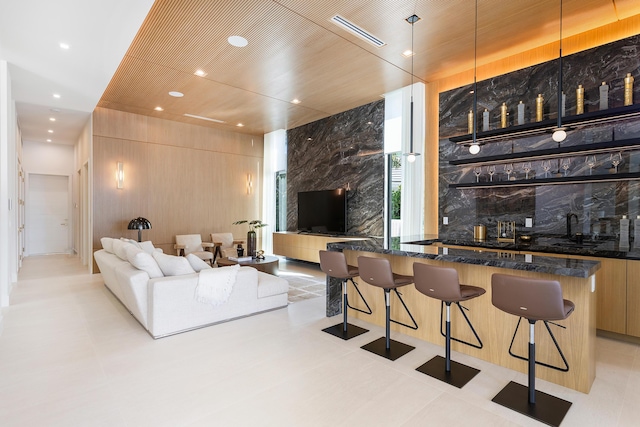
(267, 265)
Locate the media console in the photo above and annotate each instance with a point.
(304, 246)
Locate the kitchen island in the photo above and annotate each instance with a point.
(475, 267)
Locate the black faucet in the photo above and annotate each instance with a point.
(569, 216)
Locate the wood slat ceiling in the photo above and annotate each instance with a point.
(294, 51)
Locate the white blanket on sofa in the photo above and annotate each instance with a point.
(216, 284)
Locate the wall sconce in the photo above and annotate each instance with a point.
(249, 184)
(120, 176)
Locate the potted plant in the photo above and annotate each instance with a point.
(251, 234)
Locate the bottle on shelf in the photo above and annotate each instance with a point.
(604, 96)
(485, 120)
(539, 107)
(628, 89)
(503, 115)
(580, 100)
(520, 113)
(636, 232)
(470, 121)
(624, 231)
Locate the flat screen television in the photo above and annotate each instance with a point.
(323, 212)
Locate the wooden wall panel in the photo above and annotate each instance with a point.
(176, 181)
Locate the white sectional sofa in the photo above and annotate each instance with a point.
(166, 305)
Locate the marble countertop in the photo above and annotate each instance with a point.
(548, 244)
(422, 247)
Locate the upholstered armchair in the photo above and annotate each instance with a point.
(225, 245)
(193, 244)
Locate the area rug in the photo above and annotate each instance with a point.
(302, 288)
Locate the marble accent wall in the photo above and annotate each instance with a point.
(599, 206)
(341, 151)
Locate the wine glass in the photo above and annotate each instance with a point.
(565, 165)
(546, 167)
(477, 171)
(527, 168)
(616, 159)
(508, 169)
(591, 162)
(492, 170)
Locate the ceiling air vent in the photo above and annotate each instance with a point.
(353, 28)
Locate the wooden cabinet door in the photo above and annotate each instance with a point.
(611, 288)
(611, 292)
(633, 298)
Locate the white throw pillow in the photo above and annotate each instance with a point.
(120, 248)
(147, 246)
(107, 244)
(196, 263)
(144, 261)
(133, 242)
(172, 265)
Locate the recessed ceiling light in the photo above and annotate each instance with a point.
(50, 131)
(204, 118)
(309, 139)
(48, 140)
(56, 95)
(237, 41)
(240, 125)
(52, 119)
(64, 46)
(176, 94)
(159, 109)
(369, 123)
(200, 73)
(295, 101)
(408, 53)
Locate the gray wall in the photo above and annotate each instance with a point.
(599, 206)
(344, 150)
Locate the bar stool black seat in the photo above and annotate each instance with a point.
(533, 299)
(334, 264)
(377, 272)
(442, 283)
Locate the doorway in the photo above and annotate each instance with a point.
(281, 201)
(48, 214)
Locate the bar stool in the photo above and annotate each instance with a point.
(442, 283)
(533, 299)
(334, 264)
(377, 272)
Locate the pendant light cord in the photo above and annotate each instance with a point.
(412, 20)
(560, 74)
(413, 54)
(475, 76)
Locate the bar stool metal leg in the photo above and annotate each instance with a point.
(447, 370)
(345, 330)
(334, 264)
(442, 283)
(527, 400)
(385, 346)
(540, 300)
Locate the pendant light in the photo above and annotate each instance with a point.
(474, 148)
(411, 155)
(560, 133)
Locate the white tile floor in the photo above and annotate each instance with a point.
(71, 355)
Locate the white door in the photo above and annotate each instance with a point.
(48, 214)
